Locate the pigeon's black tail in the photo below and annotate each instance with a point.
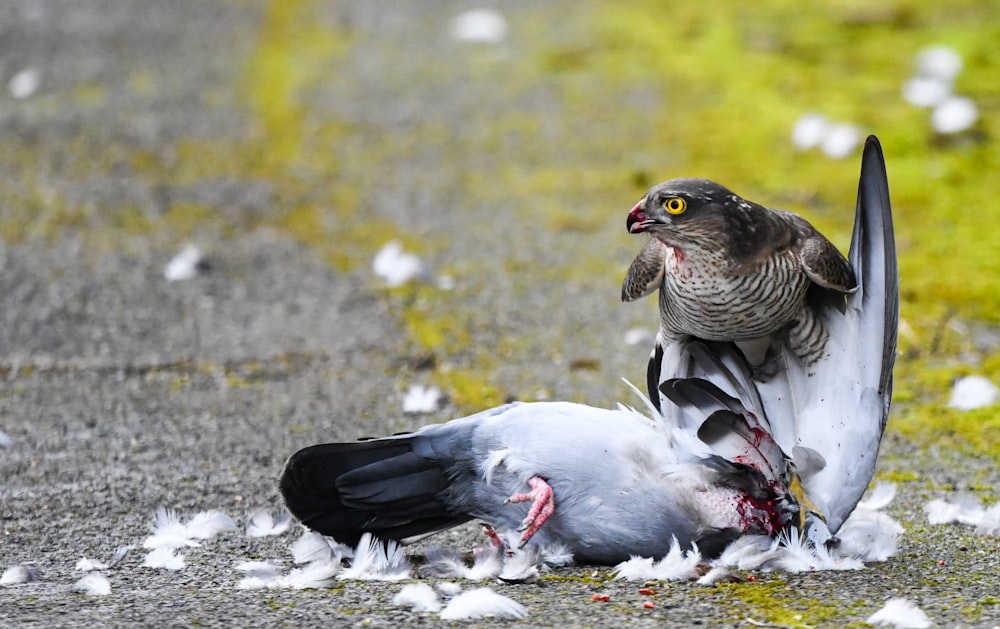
(381, 486)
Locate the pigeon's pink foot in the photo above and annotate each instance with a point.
(543, 505)
(493, 536)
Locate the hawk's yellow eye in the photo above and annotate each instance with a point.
(674, 205)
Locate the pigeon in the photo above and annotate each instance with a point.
(827, 416)
(605, 483)
(718, 454)
(728, 269)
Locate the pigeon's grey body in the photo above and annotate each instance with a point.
(728, 269)
(712, 461)
(625, 483)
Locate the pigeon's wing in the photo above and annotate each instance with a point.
(839, 413)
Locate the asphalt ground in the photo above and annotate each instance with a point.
(123, 392)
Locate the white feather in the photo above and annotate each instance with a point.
(449, 588)
(717, 574)
(163, 557)
(480, 603)
(990, 522)
(261, 569)
(750, 552)
(208, 524)
(878, 497)
(556, 555)
(900, 613)
(313, 546)
(87, 565)
(19, 574)
(395, 266)
(635, 569)
(184, 265)
(375, 560)
(869, 536)
(261, 523)
(93, 584)
(677, 565)
(419, 597)
(491, 462)
(445, 564)
(317, 574)
(5, 440)
(521, 566)
(965, 510)
(796, 555)
(421, 399)
(168, 531)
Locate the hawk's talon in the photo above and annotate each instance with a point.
(806, 505)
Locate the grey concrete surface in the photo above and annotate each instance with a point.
(123, 392)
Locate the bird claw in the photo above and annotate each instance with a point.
(494, 537)
(806, 505)
(543, 505)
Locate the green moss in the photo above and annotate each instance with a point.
(771, 600)
(896, 476)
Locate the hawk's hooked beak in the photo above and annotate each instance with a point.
(637, 220)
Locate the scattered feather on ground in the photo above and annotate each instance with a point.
(972, 392)
(20, 574)
(868, 535)
(479, 26)
(396, 267)
(878, 497)
(966, 510)
(264, 574)
(185, 265)
(487, 564)
(419, 597)
(86, 565)
(313, 546)
(954, 115)
(261, 523)
(421, 399)
(5, 440)
(93, 584)
(163, 557)
(168, 531)
(900, 613)
(261, 569)
(640, 336)
(480, 603)
(24, 84)
(377, 560)
(676, 565)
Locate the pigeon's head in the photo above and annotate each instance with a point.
(685, 211)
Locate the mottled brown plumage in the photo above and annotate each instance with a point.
(729, 269)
